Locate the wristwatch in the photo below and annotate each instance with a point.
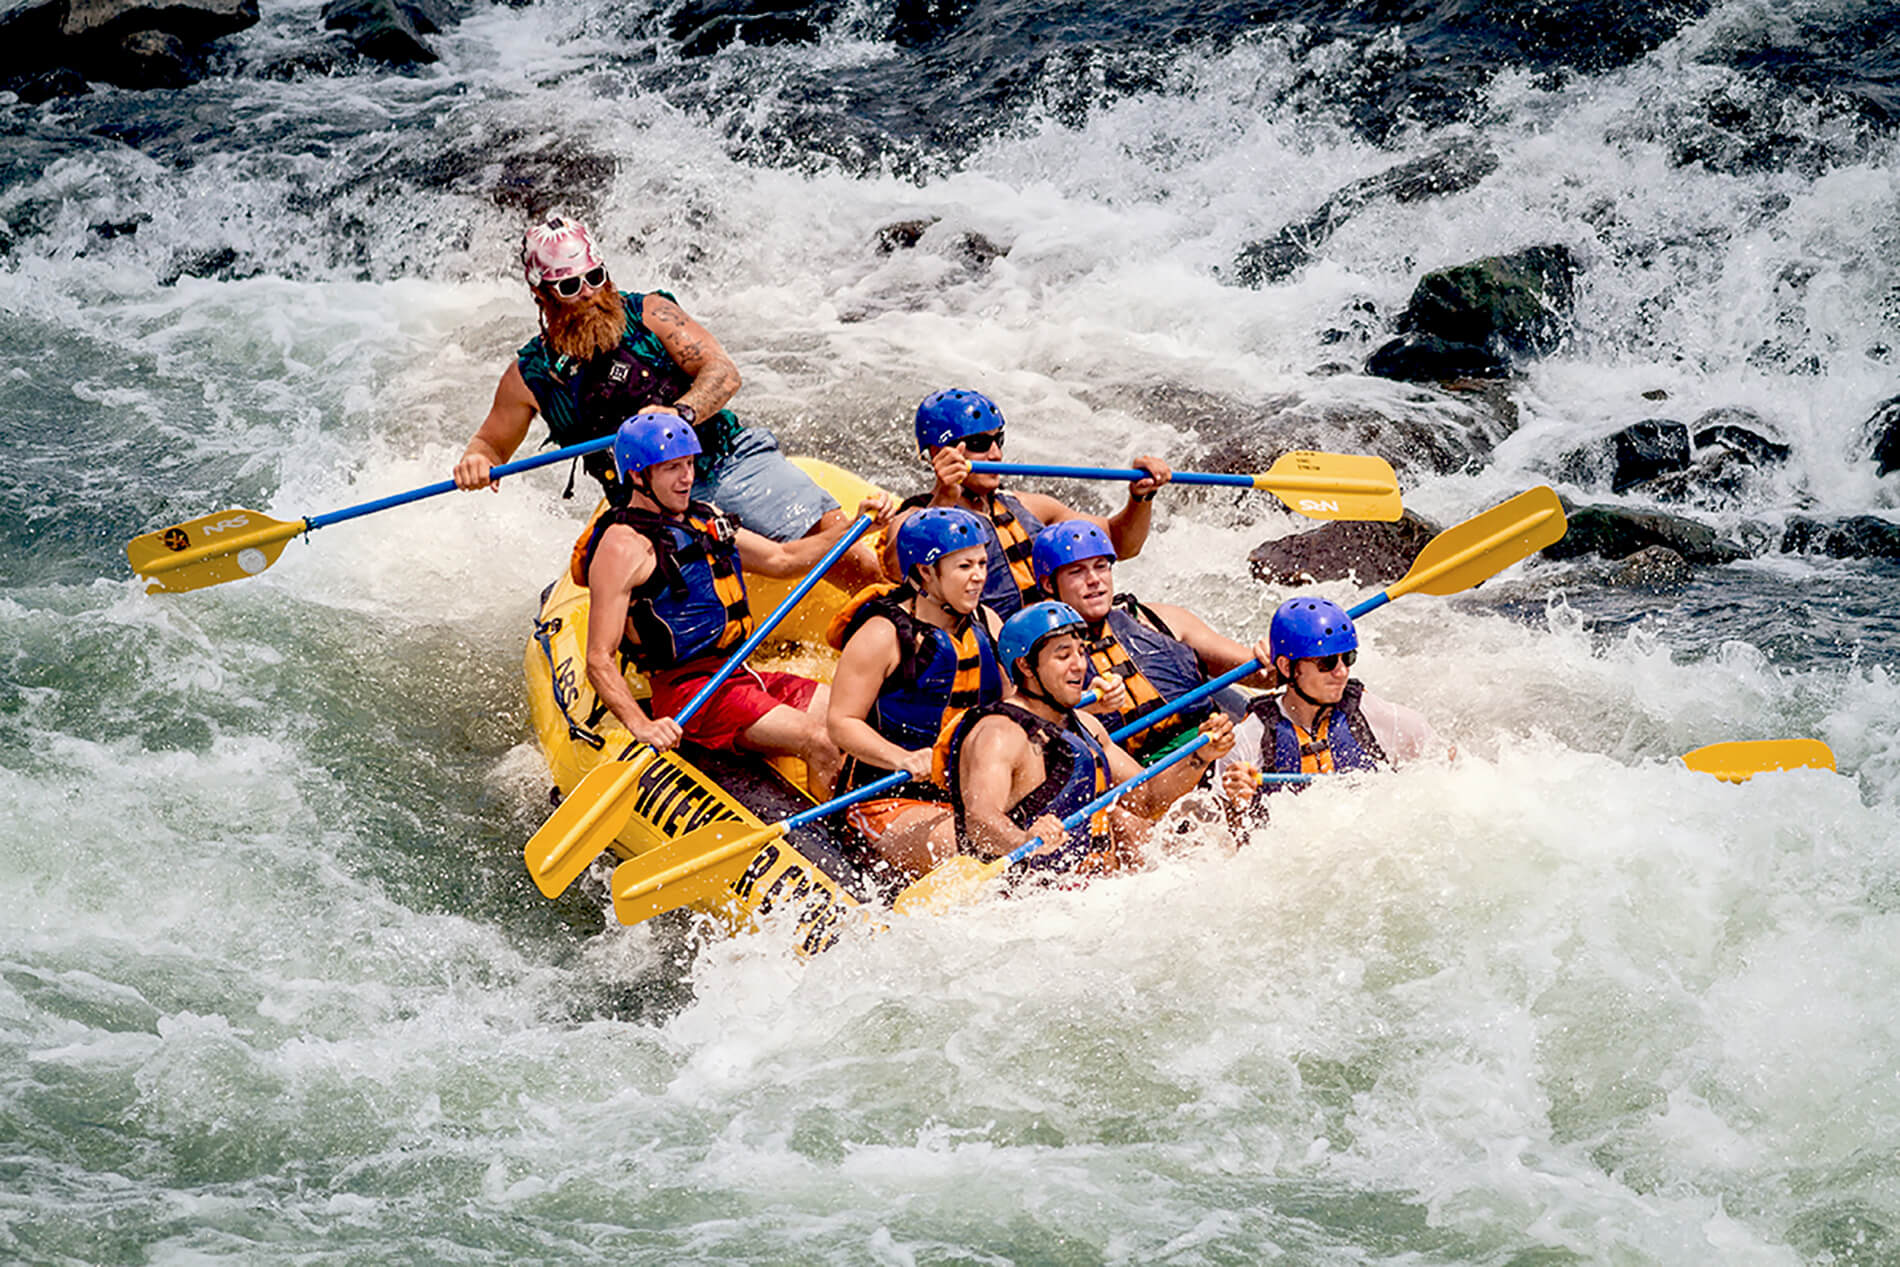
(686, 411)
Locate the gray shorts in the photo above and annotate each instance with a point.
(760, 487)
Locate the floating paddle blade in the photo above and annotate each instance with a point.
(1334, 486)
(1484, 545)
(1741, 759)
(697, 870)
(210, 550)
(951, 883)
(585, 824)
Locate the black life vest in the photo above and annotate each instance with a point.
(1075, 770)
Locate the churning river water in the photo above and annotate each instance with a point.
(275, 988)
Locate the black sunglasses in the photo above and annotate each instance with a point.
(1327, 663)
(982, 441)
(568, 287)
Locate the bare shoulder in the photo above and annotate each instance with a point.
(657, 309)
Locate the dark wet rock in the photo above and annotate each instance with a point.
(61, 81)
(1517, 305)
(1883, 435)
(221, 263)
(136, 44)
(1424, 358)
(316, 60)
(970, 248)
(1435, 431)
(144, 60)
(1855, 537)
(1638, 453)
(1741, 431)
(1655, 393)
(903, 235)
(1651, 568)
(1616, 532)
(915, 22)
(1457, 167)
(388, 31)
(978, 251)
(192, 21)
(106, 230)
(1370, 553)
(559, 176)
(706, 26)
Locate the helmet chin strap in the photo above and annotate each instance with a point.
(1293, 684)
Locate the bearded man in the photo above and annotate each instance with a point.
(603, 356)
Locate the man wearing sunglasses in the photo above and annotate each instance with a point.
(604, 355)
(1324, 722)
(957, 425)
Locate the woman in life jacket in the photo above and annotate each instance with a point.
(1325, 722)
(914, 657)
(1159, 653)
(1018, 768)
(955, 426)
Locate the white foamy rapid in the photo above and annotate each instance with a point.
(274, 986)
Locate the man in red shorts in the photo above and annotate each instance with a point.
(666, 583)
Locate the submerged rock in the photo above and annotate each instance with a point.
(1424, 358)
(388, 31)
(1854, 537)
(706, 26)
(1883, 434)
(1623, 459)
(1651, 568)
(1370, 553)
(1456, 167)
(1742, 431)
(1617, 532)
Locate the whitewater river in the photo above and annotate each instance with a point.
(275, 987)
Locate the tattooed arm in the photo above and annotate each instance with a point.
(693, 349)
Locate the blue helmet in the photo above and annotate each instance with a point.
(946, 417)
(1071, 541)
(1304, 628)
(1024, 633)
(934, 532)
(649, 439)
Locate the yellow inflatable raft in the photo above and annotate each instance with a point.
(805, 876)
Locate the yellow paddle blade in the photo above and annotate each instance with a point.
(951, 883)
(1739, 760)
(1484, 545)
(585, 824)
(1334, 485)
(696, 870)
(210, 550)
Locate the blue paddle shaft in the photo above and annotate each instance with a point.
(888, 783)
(766, 626)
(448, 486)
(1104, 473)
(1107, 798)
(1224, 681)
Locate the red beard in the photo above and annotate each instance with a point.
(584, 328)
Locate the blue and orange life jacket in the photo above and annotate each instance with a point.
(939, 674)
(694, 605)
(1341, 740)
